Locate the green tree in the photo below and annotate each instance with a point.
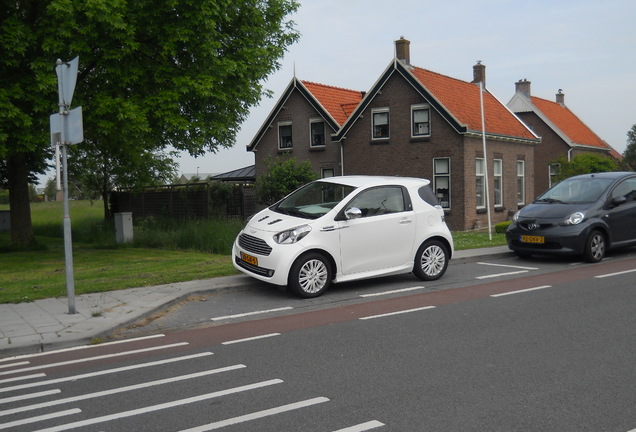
(629, 155)
(283, 176)
(152, 75)
(583, 164)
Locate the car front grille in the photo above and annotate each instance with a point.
(254, 245)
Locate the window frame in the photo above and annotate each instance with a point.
(313, 122)
(374, 112)
(327, 172)
(498, 178)
(521, 187)
(281, 125)
(480, 176)
(417, 108)
(439, 175)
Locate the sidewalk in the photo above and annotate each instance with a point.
(44, 325)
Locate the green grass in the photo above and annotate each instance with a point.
(164, 251)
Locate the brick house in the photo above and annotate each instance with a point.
(301, 125)
(562, 132)
(412, 122)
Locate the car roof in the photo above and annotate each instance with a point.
(609, 175)
(369, 181)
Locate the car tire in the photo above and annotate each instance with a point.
(310, 275)
(431, 260)
(595, 247)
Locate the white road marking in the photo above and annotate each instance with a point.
(158, 407)
(250, 339)
(392, 292)
(501, 274)
(21, 378)
(509, 266)
(257, 415)
(397, 313)
(103, 372)
(119, 354)
(30, 396)
(119, 390)
(82, 347)
(615, 274)
(250, 313)
(40, 418)
(14, 364)
(362, 427)
(521, 291)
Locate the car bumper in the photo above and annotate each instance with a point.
(568, 241)
(273, 267)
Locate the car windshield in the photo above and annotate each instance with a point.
(313, 200)
(581, 190)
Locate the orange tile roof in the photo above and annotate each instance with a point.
(339, 102)
(568, 123)
(461, 99)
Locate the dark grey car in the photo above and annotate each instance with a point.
(583, 215)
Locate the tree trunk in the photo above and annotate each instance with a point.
(17, 176)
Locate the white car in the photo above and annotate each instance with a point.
(346, 228)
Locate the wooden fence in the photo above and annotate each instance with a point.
(189, 201)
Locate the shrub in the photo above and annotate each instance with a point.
(501, 227)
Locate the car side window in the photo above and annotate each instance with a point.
(379, 201)
(626, 188)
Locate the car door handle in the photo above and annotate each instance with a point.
(333, 228)
(405, 221)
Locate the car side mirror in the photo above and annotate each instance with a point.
(353, 213)
(619, 200)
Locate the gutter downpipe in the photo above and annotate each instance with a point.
(342, 156)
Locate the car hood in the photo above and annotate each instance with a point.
(551, 210)
(268, 220)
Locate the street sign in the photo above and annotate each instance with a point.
(67, 77)
(74, 133)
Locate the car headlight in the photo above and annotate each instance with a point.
(293, 235)
(515, 217)
(574, 218)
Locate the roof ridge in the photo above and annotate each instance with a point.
(330, 86)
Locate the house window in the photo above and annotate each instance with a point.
(420, 120)
(441, 180)
(317, 128)
(327, 172)
(480, 185)
(285, 135)
(380, 123)
(497, 176)
(553, 172)
(521, 182)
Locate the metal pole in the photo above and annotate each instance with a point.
(483, 137)
(68, 243)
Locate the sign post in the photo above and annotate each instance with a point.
(67, 129)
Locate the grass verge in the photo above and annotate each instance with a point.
(164, 252)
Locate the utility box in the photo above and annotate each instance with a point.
(123, 227)
(5, 220)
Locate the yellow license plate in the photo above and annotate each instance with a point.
(249, 259)
(532, 239)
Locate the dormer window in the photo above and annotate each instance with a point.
(380, 123)
(317, 128)
(285, 135)
(420, 120)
